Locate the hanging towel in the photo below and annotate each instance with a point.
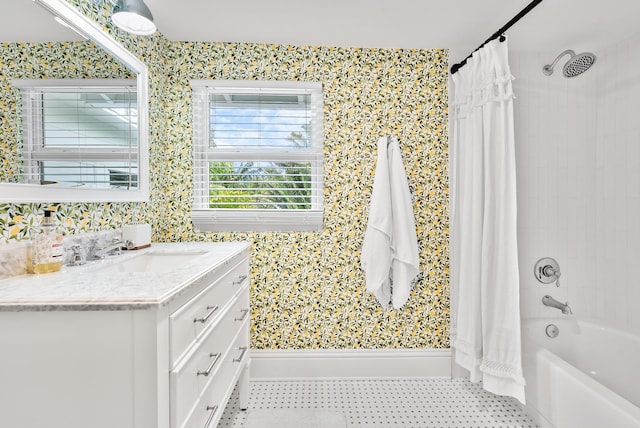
(390, 255)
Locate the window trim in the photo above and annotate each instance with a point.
(258, 220)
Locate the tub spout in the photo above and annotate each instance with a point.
(550, 301)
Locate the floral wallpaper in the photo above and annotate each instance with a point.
(308, 291)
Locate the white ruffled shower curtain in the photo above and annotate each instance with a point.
(485, 314)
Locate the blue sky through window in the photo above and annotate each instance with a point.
(258, 122)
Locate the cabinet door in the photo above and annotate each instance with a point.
(70, 369)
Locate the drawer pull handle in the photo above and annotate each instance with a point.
(204, 319)
(213, 363)
(244, 315)
(240, 280)
(213, 410)
(244, 351)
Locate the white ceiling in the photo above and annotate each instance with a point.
(459, 25)
(26, 21)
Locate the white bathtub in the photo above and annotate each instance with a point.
(588, 376)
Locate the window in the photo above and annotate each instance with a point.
(80, 133)
(257, 156)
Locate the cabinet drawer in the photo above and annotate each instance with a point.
(205, 364)
(209, 408)
(189, 321)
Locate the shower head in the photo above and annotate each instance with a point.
(577, 64)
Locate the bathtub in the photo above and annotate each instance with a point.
(587, 376)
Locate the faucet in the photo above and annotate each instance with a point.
(77, 258)
(550, 301)
(113, 247)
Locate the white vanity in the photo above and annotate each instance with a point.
(137, 341)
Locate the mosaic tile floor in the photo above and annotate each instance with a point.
(419, 403)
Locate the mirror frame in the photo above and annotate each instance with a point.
(19, 193)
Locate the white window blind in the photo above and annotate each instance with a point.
(257, 155)
(79, 132)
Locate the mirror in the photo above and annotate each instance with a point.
(33, 23)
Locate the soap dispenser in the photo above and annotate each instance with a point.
(47, 250)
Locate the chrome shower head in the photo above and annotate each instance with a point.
(577, 64)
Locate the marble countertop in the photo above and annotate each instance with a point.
(90, 287)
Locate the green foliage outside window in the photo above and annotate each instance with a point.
(261, 185)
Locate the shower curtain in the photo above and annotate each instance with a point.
(485, 314)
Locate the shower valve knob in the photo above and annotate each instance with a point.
(547, 270)
(550, 272)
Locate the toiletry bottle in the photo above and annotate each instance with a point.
(47, 248)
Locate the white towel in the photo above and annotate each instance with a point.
(390, 255)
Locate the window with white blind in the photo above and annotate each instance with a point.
(80, 133)
(258, 149)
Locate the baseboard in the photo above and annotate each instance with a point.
(350, 363)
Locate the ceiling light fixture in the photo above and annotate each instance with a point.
(132, 16)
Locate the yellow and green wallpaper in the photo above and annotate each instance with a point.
(308, 291)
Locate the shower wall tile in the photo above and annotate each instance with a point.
(633, 317)
(555, 160)
(578, 157)
(585, 300)
(618, 184)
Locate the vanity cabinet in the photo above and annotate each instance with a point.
(171, 361)
(208, 344)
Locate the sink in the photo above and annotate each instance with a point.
(153, 261)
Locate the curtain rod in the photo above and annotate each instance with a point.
(499, 33)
